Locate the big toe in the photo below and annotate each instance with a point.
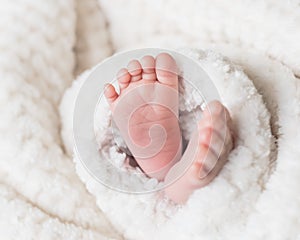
(166, 70)
(215, 108)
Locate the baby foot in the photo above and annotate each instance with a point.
(205, 155)
(146, 112)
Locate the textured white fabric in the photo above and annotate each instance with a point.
(268, 26)
(241, 199)
(239, 183)
(40, 195)
(92, 37)
(278, 205)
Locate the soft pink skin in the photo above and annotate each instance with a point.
(143, 82)
(205, 155)
(209, 147)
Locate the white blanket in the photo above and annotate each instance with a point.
(41, 196)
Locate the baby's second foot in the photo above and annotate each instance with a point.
(146, 112)
(205, 155)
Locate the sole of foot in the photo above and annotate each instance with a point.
(146, 112)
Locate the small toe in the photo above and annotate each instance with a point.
(217, 117)
(148, 65)
(218, 109)
(208, 161)
(217, 144)
(206, 136)
(124, 78)
(212, 121)
(211, 139)
(214, 108)
(110, 93)
(166, 70)
(205, 163)
(135, 70)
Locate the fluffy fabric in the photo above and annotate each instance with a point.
(92, 40)
(41, 196)
(255, 169)
(268, 26)
(240, 183)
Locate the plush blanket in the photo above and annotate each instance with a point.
(45, 44)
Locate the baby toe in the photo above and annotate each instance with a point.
(148, 65)
(205, 136)
(217, 144)
(208, 161)
(166, 70)
(124, 78)
(211, 139)
(212, 121)
(214, 108)
(110, 93)
(135, 70)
